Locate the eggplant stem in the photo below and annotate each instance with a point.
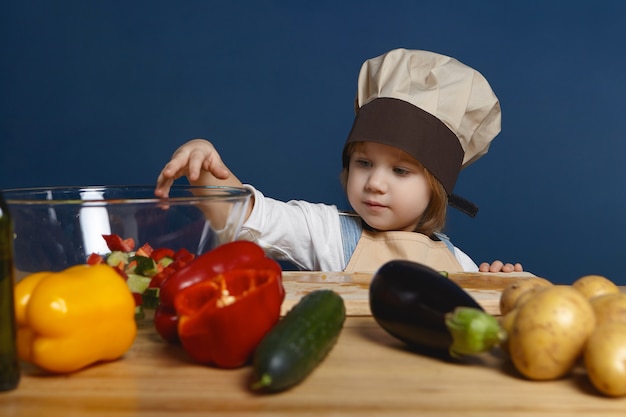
(264, 381)
(473, 331)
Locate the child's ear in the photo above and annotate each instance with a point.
(343, 178)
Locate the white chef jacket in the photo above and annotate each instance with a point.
(305, 234)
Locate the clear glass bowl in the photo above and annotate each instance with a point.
(58, 227)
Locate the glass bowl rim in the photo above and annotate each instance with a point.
(221, 193)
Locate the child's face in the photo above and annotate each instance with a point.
(387, 187)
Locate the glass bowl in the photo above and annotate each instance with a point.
(58, 227)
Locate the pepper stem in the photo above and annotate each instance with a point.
(473, 331)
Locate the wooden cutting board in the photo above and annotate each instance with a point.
(354, 288)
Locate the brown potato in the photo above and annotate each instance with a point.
(605, 359)
(525, 296)
(506, 323)
(609, 307)
(594, 285)
(512, 292)
(550, 332)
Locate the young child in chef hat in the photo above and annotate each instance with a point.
(420, 118)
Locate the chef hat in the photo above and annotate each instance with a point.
(438, 110)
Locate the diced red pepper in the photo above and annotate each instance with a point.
(116, 243)
(158, 278)
(95, 259)
(183, 255)
(121, 273)
(137, 298)
(222, 320)
(123, 266)
(145, 250)
(160, 253)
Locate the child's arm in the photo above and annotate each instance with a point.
(499, 266)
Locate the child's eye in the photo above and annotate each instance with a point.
(363, 163)
(401, 171)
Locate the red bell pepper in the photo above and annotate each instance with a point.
(234, 255)
(221, 321)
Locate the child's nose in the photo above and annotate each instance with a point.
(376, 182)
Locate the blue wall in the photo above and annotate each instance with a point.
(102, 92)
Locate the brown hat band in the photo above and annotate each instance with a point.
(397, 123)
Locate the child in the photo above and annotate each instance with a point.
(420, 118)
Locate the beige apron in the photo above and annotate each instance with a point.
(375, 249)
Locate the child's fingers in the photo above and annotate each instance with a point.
(170, 172)
(216, 167)
(484, 267)
(496, 266)
(163, 186)
(195, 164)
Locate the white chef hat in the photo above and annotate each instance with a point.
(440, 111)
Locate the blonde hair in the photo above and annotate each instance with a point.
(434, 217)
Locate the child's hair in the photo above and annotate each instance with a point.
(434, 217)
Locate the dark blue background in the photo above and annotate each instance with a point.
(102, 92)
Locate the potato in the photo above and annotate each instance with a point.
(605, 359)
(594, 285)
(506, 323)
(550, 332)
(609, 307)
(512, 292)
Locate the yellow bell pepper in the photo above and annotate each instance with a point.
(71, 319)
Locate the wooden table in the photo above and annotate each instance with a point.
(368, 373)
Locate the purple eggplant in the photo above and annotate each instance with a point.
(429, 312)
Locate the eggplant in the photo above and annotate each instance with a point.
(429, 312)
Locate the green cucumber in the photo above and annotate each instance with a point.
(293, 348)
(150, 298)
(138, 283)
(116, 257)
(165, 261)
(146, 266)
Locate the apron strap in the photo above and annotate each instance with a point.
(445, 239)
(351, 229)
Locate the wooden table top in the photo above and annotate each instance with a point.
(368, 372)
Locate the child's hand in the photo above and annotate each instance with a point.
(499, 266)
(199, 161)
